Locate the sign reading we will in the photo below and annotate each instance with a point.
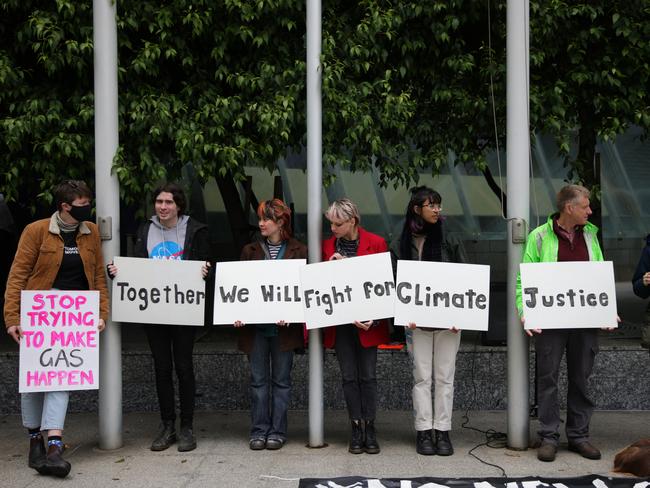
(59, 350)
(258, 292)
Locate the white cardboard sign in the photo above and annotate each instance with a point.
(442, 295)
(342, 291)
(568, 295)
(258, 292)
(59, 350)
(156, 291)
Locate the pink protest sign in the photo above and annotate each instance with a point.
(59, 350)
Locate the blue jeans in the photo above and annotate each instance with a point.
(270, 387)
(44, 409)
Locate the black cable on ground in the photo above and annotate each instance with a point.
(493, 438)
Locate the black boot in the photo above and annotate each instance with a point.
(356, 438)
(166, 436)
(443, 443)
(370, 443)
(186, 439)
(54, 463)
(424, 443)
(36, 452)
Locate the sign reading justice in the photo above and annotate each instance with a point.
(568, 295)
(342, 291)
(258, 292)
(442, 295)
(59, 350)
(154, 291)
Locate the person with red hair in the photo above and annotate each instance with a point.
(270, 346)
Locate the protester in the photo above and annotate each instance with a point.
(62, 252)
(270, 346)
(641, 286)
(433, 351)
(566, 236)
(172, 235)
(356, 344)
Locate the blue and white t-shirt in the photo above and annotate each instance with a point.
(164, 243)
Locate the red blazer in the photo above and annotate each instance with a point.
(368, 244)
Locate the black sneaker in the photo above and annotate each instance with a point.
(274, 443)
(443, 443)
(257, 444)
(186, 439)
(166, 436)
(424, 443)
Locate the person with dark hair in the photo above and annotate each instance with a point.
(432, 351)
(170, 234)
(566, 236)
(62, 252)
(641, 286)
(270, 346)
(356, 344)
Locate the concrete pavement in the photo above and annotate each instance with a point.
(223, 458)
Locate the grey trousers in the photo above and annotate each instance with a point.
(581, 346)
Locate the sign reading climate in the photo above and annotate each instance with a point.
(442, 295)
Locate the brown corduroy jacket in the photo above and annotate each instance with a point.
(291, 337)
(37, 262)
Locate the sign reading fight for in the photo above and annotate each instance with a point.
(345, 290)
(568, 295)
(154, 291)
(258, 292)
(442, 295)
(59, 350)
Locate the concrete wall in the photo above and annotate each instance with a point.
(621, 380)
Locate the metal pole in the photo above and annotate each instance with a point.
(314, 208)
(518, 185)
(108, 212)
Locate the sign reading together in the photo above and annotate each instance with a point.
(157, 291)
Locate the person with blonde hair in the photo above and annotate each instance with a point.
(356, 344)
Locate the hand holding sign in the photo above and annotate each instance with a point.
(15, 332)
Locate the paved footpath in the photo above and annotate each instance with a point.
(223, 459)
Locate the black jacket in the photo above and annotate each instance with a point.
(643, 267)
(197, 248)
(197, 242)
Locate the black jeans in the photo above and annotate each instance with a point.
(581, 346)
(172, 346)
(358, 368)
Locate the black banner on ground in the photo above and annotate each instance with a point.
(591, 481)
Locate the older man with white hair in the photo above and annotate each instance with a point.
(566, 236)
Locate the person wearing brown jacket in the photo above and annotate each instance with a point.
(62, 252)
(270, 346)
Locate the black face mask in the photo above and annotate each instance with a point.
(81, 214)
